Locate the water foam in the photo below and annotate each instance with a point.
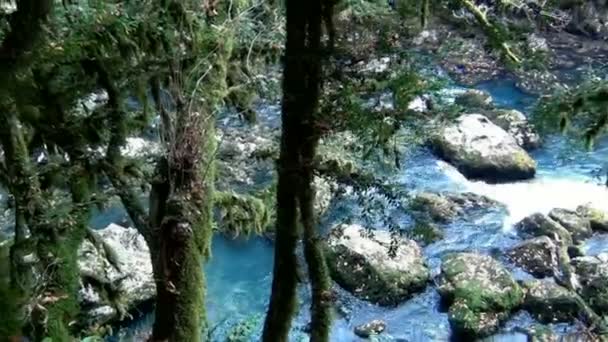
(540, 194)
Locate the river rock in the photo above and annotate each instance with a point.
(361, 264)
(375, 327)
(576, 224)
(537, 225)
(474, 99)
(551, 303)
(480, 290)
(538, 256)
(516, 124)
(592, 275)
(131, 285)
(482, 150)
(598, 219)
(444, 207)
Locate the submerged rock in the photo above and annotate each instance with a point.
(367, 330)
(537, 225)
(480, 291)
(444, 207)
(361, 264)
(592, 275)
(474, 99)
(538, 256)
(482, 150)
(576, 224)
(115, 279)
(516, 124)
(551, 303)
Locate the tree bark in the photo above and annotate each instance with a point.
(301, 88)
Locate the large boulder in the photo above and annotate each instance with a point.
(482, 150)
(551, 303)
(577, 225)
(516, 124)
(598, 219)
(116, 274)
(537, 256)
(480, 291)
(444, 207)
(361, 263)
(537, 225)
(592, 275)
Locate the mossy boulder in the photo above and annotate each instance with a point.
(445, 207)
(537, 256)
(537, 225)
(598, 219)
(551, 303)
(362, 264)
(592, 274)
(578, 226)
(480, 291)
(481, 150)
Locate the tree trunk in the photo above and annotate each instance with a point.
(295, 192)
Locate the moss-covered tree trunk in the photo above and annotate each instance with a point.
(295, 192)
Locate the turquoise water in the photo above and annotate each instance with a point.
(240, 273)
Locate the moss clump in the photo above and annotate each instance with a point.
(241, 214)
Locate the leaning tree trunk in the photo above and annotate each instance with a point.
(295, 192)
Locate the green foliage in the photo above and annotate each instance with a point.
(245, 214)
(244, 330)
(577, 109)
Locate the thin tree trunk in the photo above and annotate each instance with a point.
(301, 88)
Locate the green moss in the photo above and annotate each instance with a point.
(426, 233)
(468, 322)
(243, 214)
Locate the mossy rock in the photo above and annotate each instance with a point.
(578, 226)
(537, 256)
(483, 291)
(362, 264)
(481, 150)
(592, 274)
(445, 207)
(552, 303)
(537, 225)
(469, 323)
(474, 99)
(436, 207)
(598, 219)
